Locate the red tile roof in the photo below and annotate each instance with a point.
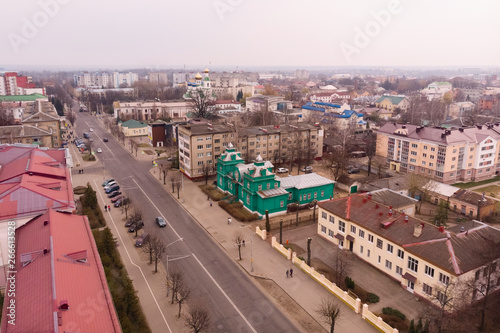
(48, 279)
(452, 251)
(32, 180)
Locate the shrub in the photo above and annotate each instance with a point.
(79, 190)
(393, 312)
(372, 298)
(237, 210)
(395, 322)
(349, 283)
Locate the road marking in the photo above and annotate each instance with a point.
(132, 262)
(107, 149)
(224, 293)
(199, 262)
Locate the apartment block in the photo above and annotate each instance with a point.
(428, 261)
(202, 144)
(447, 155)
(151, 110)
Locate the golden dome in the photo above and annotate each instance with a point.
(206, 71)
(198, 76)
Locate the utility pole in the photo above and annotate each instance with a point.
(309, 251)
(281, 231)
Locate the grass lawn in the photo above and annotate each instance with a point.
(472, 184)
(492, 190)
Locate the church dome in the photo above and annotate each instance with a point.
(206, 71)
(198, 76)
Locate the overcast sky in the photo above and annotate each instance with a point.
(90, 34)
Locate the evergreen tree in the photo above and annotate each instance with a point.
(442, 214)
(239, 96)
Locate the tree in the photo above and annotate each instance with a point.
(342, 263)
(175, 280)
(200, 103)
(370, 141)
(90, 197)
(269, 90)
(71, 117)
(420, 184)
(148, 247)
(159, 249)
(207, 170)
(441, 217)
(239, 96)
(126, 204)
(238, 239)
(6, 117)
(182, 295)
(337, 160)
(198, 317)
(330, 313)
(164, 167)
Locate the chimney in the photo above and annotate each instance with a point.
(390, 212)
(418, 230)
(406, 218)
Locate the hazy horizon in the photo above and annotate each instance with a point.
(238, 34)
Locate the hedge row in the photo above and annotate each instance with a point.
(237, 211)
(128, 308)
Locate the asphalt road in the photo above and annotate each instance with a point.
(236, 303)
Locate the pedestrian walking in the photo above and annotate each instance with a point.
(210, 203)
(243, 243)
(105, 208)
(287, 273)
(109, 207)
(228, 220)
(291, 272)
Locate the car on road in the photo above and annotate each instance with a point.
(141, 239)
(352, 171)
(114, 194)
(86, 135)
(99, 150)
(115, 199)
(107, 181)
(161, 222)
(105, 139)
(112, 189)
(307, 169)
(91, 129)
(282, 170)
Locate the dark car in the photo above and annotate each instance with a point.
(115, 199)
(105, 139)
(353, 170)
(118, 203)
(132, 228)
(160, 221)
(107, 181)
(114, 194)
(129, 222)
(142, 238)
(112, 189)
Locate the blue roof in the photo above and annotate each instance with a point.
(329, 104)
(362, 122)
(307, 107)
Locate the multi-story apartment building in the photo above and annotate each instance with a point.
(448, 155)
(151, 110)
(158, 77)
(107, 80)
(13, 84)
(427, 261)
(202, 144)
(282, 143)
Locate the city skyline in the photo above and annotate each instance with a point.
(238, 34)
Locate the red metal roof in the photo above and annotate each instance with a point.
(32, 180)
(70, 271)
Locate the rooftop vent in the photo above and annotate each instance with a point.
(45, 223)
(63, 305)
(406, 218)
(462, 229)
(390, 212)
(418, 230)
(376, 206)
(461, 129)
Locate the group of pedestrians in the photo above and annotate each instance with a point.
(290, 271)
(107, 207)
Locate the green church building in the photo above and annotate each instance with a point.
(259, 189)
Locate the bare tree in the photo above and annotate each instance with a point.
(342, 262)
(370, 141)
(330, 313)
(207, 170)
(182, 295)
(175, 280)
(71, 117)
(200, 103)
(159, 249)
(337, 160)
(198, 317)
(418, 183)
(174, 179)
(164, 167)
(149, 247)
(6, 117)
(126, 204)
(238, 239)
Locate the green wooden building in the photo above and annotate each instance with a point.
(259, 189)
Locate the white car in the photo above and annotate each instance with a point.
(282, 170)
(99, 150)
(91, 129)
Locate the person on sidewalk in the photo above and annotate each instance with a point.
(109, 207)
(105, 208)
(210, 203)
(243, 243)
(228, 220)
(287, 273)
(291, 272)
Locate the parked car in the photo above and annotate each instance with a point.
(114, 194)
(307, 169)
(86, 135)
(115, 199)
(353, 170)
(282, 170)
(142, 238)
(129, 222)
(132, 227)
(99, 150)
(112, 189)
(161, 222)
(110, 184)
(118, 203)
(91, 129)
(107, 181)
(105, 139)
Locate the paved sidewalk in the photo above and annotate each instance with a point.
(267, 262)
